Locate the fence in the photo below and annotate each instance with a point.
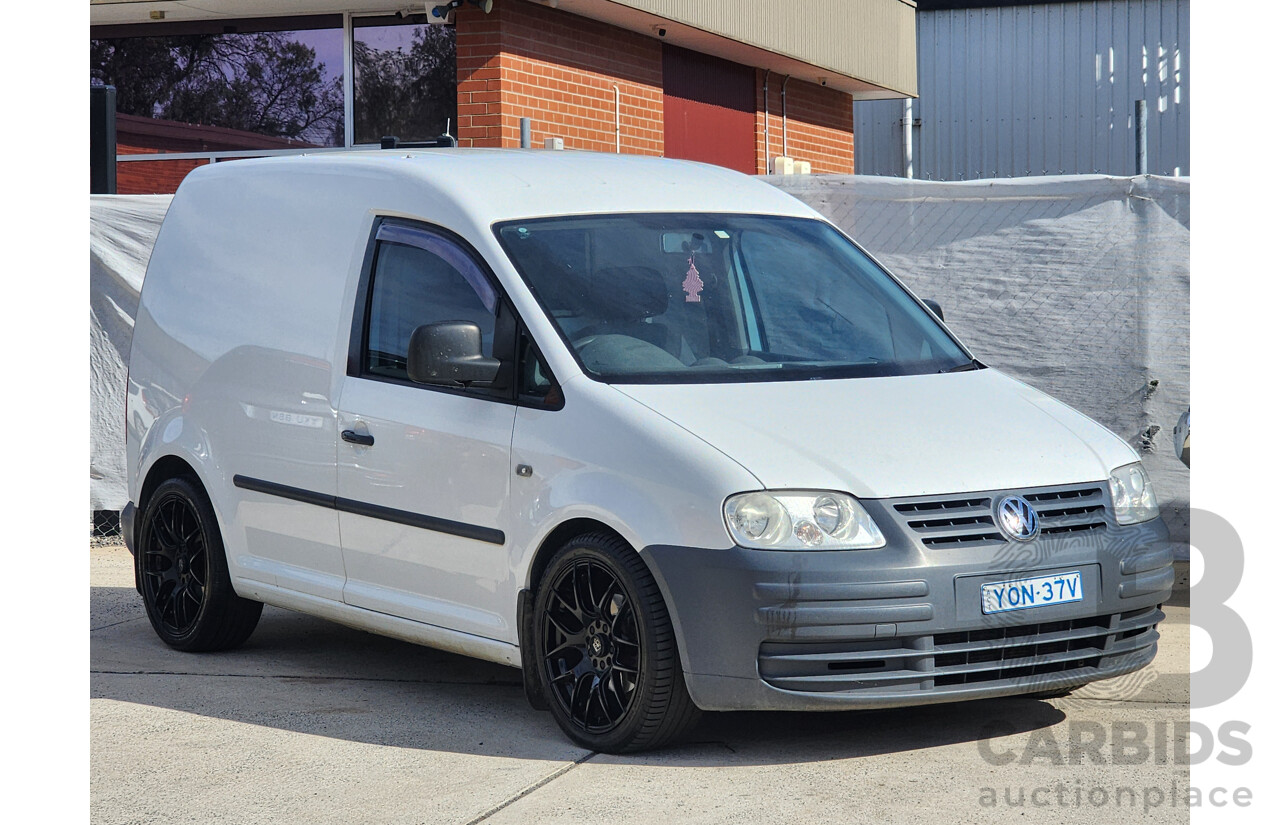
(1076, 285)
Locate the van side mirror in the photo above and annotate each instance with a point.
(935, 306)
(450, 353)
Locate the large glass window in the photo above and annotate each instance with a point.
(270, 83)
(421, 278)
(672, 298)
(249, 84)
(405, 78)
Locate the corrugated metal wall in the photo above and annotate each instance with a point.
(1042, 89)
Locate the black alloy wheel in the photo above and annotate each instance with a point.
(593, 646)
(605, 649)
(175, 565)
(182, 568)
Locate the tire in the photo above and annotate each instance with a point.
(183, 570)
(605, 652)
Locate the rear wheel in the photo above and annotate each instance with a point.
(183, 569)
(605, 651)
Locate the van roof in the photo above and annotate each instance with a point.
(501, 184)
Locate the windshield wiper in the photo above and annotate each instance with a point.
(972, 364)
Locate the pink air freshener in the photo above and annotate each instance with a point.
(692, 284)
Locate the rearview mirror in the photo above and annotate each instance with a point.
(935, 306)
(450, 353)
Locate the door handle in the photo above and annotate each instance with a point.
(353, 437)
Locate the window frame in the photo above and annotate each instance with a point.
(506, 339)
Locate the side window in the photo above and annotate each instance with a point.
(421, 278)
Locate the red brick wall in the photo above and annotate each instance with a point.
(150, 177)
(819, 125)
(527, 60)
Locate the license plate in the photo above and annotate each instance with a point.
(1041, 591)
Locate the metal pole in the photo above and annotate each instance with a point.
(908, 126)
(348, 82)
(1140, 130)
(617, 119)
(102, 140)
(767, 170)
(785, 81)
(526, 133)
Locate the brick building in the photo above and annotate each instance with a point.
(731, 82)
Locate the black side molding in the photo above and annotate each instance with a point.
(489, 535)
(439, 525)
(284, 491)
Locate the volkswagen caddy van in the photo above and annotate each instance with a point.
(652, 431)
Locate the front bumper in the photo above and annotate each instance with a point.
(903, 625)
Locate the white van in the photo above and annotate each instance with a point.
(653, 431)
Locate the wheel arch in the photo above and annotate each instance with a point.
(161, 470)
(165, 468)
(561, 534)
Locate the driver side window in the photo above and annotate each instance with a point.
(420, 277)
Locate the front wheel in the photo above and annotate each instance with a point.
(605, 651)
(183, 569)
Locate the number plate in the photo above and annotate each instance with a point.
(1020, 594)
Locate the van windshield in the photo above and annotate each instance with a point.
(699, 298)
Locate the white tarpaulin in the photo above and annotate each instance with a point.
(1079, 286)
(122, 230)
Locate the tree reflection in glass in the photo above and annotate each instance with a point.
(405, 80)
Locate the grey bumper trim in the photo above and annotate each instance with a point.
(903, 625)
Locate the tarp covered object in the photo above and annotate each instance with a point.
(1076, 285)
(122, 230)
(1079, 286)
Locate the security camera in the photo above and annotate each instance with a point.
(445, 12)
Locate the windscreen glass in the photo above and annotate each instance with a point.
(675, 298)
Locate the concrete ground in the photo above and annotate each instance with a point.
(314, 723)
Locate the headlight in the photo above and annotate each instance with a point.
(794, 520)
(1132, 494)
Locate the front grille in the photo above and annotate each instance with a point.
(1023, 650)
(969, 520)
(995, 656)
